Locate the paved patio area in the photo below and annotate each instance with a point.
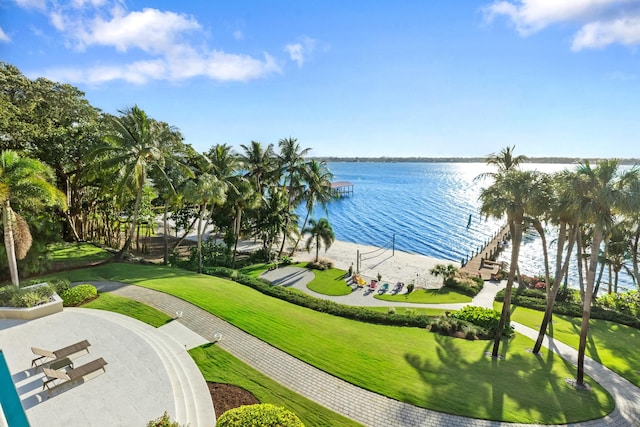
(149, 371)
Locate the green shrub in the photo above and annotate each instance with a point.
(10, 296)
(410, 287)
(626, 302)
(470, 286)
(78, 294)
(321, 265)
(163, 421)
(261, 415)
(485, 318)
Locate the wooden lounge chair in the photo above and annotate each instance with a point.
(72, 374)
(44, 355)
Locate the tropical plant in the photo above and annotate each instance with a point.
(134, 145)
(320, 232)
(25, 183)
(446, 271)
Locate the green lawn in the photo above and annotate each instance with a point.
(330, 282)
(219, 366)
(614, 345)
(129, 307)
(427, 296)
(407, 364)
(73, 254)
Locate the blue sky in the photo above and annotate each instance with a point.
(352, 78)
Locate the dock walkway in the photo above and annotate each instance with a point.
(483, 262)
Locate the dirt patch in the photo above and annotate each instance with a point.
(228, 396)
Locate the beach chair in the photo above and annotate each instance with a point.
(73, 374)
(384, 288)
(44, 355)
(373, 284)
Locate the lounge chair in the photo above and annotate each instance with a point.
(72, 374)
(43, 355)
(384, 288)
(398, 287)
(373, 284)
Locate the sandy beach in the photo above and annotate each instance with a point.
(394, 267)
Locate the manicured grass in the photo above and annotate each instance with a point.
(408, 364)
(254, 270)
(614, 345)
(74, 254)
(330, 282)
(417, 310)
(129, 307)
(219, 366)
(427, 296)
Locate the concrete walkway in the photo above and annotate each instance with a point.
(343, 397)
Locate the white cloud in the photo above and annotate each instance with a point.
(162, 42)
(32, 4)
(600, 34)
(602, 22)
(150, 30)
(238, 35)
(3, 36)
(299, 52)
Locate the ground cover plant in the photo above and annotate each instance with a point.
(429, 370)
(219, 366)
(427, 296)
(611, 344)
(137, 310)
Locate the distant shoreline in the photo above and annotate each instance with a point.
(558, 160)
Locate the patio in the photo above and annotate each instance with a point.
(149, 371)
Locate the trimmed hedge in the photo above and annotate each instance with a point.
(486, 318)
(260, 415)
(321, 305)
(536, 300)
(78, 294)
(469, 287)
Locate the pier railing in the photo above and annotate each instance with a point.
(474, 263)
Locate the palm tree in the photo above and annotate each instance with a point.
(291, 160)
(135, 144)
(503, 161)
(563, 214)
(243, 196)
(446, 271)
(320, 232)
(317, 178)
(25, 183)
(259, 163)
(205, 191)
(509, 194)
(599, 196)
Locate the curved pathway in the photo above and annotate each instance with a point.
(343, 397)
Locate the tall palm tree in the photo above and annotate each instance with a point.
(25, 183)
(509, 195)
(259, 164)
(135, 144)
(563, 214)
(291, 160)
(317, 179)
(599, 196)
(244, 196)
(205, 191)
(503, 161)
(320, 233)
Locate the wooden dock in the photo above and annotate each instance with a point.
(483, 262)
(342, 188)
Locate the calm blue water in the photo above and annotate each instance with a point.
(426, 206)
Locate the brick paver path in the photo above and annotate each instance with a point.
(363, 406)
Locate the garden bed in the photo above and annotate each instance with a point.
(30, 313)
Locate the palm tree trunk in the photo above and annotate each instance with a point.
(304, 224)
(185, 234)
(132, 227)
(516, 232)
(317, 247)
(9, 243)
(199, 233)
(238, 219)
(561, 270)
(166, 233)
(586, 307)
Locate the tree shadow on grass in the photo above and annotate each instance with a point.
(515, 387)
